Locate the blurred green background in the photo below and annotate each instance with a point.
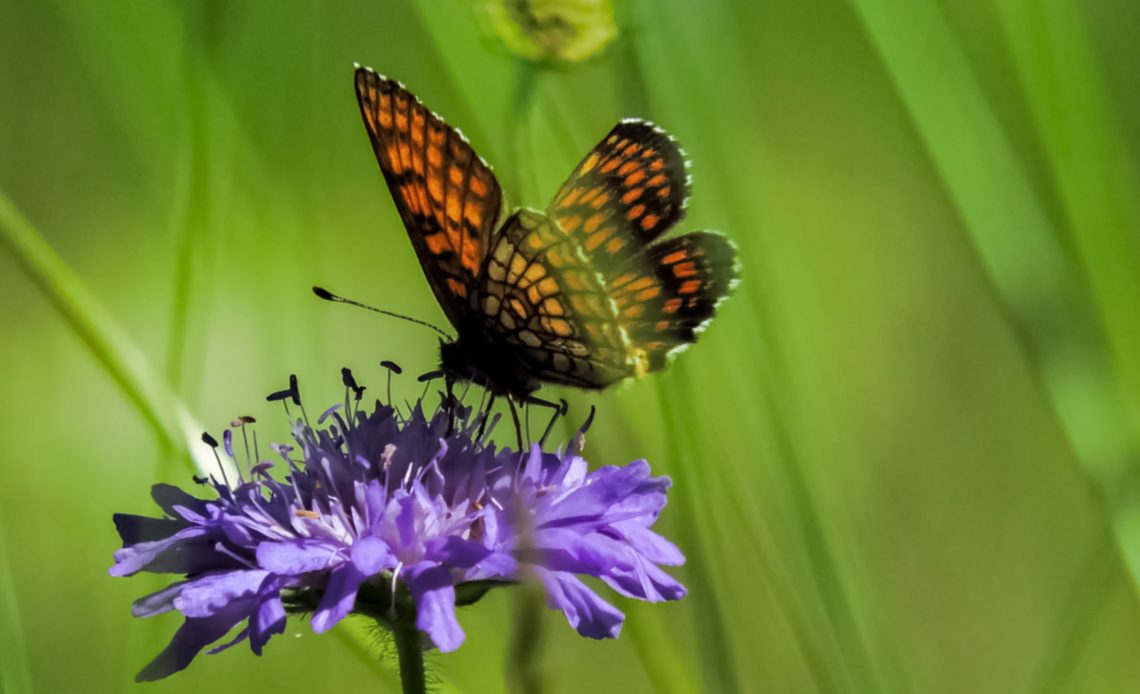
(905, 454)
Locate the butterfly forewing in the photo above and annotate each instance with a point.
(448, 198)
(628, 190)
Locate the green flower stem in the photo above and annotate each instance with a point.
(411, 654)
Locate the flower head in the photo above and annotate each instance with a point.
(550, 31)
(398, 516)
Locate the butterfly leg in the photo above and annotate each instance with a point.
(560, 408)
(518, 425)
(486, 416)
(451, 405)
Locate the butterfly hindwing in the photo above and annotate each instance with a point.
(542, 296)
(666, 297)
(629, 190)
(447, 196)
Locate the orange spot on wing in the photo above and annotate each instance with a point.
(674, 257)
(649, 221)
(455, 174)
(641, 283)
(632, 195)
(672, 305)
(437, 243)
(569, 198)
(663, 192)
(648, 294)
(593, 223)
(477, 186)
(457, 288)
(627, 167)
(690, 286)
(685, 269)
(570, 224)
(662, 325)
(632, 311)
(611, 164)
(635, 212)
(595, 240)
(599, 201)
(615, 245)
(470, 257)
(472, 214)
(635, 178)
(590, 163)
(435, 187)
(631, 149)
(657, 165)
(657, 180)
(411, 199)
(434, 157)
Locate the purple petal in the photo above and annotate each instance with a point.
(158, 602)
(135, 529)
(186, 551)
(456, 552)
(207, 595)
(371, 555)
(191, 638)
(167, 496)
(649, 544)
(645, 582)
(269, 617)
(590, 615)
(339, 597)
(296, 557)
(593, 554)
(434, 594)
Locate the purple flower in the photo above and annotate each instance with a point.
(395, 517)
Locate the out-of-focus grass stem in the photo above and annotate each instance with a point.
(109, 344)
(15, 675)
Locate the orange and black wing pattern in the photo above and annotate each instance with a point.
(625, 194)
(447, 196)
(541, 296)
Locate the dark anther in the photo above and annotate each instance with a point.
(292, 393)
(392, 366)
(323, 293)
(429, 376)
(358, 393)
(246, 419)
(209, 440)
(347, 379)
(199, 480)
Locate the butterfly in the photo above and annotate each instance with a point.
(585, 293)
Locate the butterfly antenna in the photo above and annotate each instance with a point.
(336, 298)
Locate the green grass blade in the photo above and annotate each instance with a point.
(15, 674)
(1096, 180)
(108, 343)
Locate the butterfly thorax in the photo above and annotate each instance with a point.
(472, 358)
